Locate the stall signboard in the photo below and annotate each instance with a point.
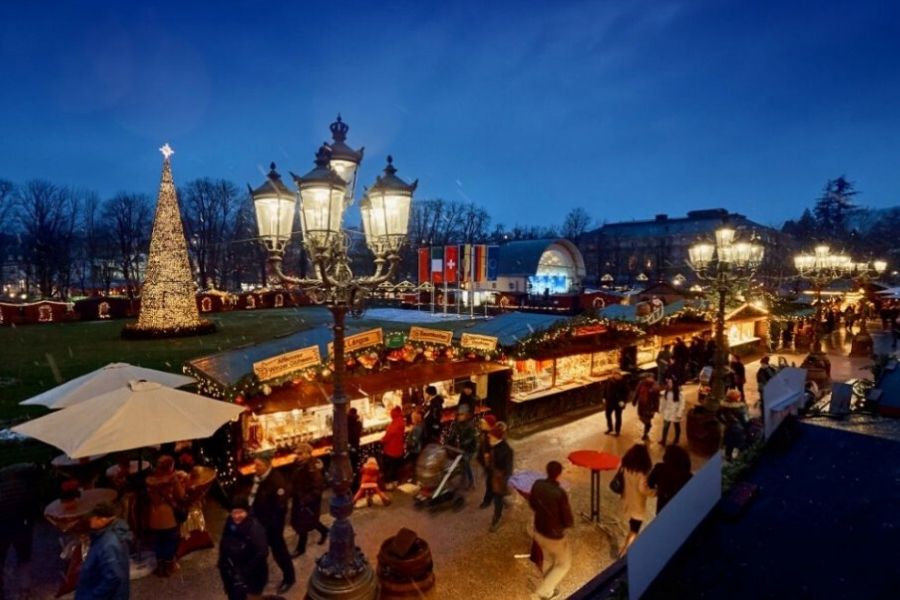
(485, 343)
(372, 337)
(289, 362)
(430, 336)
(585, 330)
(395, 339)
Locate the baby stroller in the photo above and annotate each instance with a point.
(440, 475)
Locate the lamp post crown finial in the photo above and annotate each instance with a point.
(339, 129)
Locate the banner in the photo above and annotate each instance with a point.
(288, 362)
(437, 264)
(451, 263)
(588, 330)
(493, 262)
(480, 266)
(465, 266)
(485, 343)
(372, 337)
(424, 265)
(430, 336)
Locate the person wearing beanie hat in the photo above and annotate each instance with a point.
(501, 465)
(105, 571)
(243, 553)
(307, 486)
(464, 437)
(368, 486)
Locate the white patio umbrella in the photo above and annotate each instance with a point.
(893, 292)
(139, 414)
(101, 381)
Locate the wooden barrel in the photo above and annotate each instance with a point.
(405, 567)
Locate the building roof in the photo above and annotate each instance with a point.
(695, 223)
(521, 258)
(511, 327)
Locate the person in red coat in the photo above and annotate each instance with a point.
(392, 447)
(368, 486)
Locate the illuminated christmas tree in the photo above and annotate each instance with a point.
(168, 305)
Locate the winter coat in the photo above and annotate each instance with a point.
(243, 551)
(432, 420)
(763, 375)
(105, 571)
(471, 401)
(463, 435)
(307, 486)
(270, 503)
(672, 410)
(392, 442)
(552, 513)
(354, 431)
(415, 438)
(667, 481)
(733, 415)
(635, 494)
(739, 373)
(501, 468)
(646, 397)
(165, 492)
(617, 393)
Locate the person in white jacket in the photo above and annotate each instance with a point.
(672, 409)
(636, 465)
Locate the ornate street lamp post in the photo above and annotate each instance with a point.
(862, 341)
(723, 265)
(325, 192)
(820, 268)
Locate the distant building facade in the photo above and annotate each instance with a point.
(631, 252)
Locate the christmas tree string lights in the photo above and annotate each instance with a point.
(168, 304)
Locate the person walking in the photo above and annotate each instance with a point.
(433, 416)
(165, 513)
(307, 486)
(414, 439)
(672, 409)
(268, 502)
(501, 461)
(463, 437)
(646, 398)
(468, 397)
(636, 466)
(484, 455)
(616, 397)
(732, 413)
(763, 375)
(739, 372)
(670, 475)
(680, 357)
(105, 571)
(663, 363)
(354, 437)
(392, 449)
(552, 516)
(19, 502)
(243, 554)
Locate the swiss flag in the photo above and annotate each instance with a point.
(451, 263)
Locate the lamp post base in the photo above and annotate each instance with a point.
(361, 586)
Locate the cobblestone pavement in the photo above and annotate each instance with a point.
(469, 561)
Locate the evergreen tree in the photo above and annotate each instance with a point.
(834, 208)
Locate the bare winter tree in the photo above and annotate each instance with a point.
(576, 223)
(7, 218)
(47, 216)
(209, 207)
(128, 218)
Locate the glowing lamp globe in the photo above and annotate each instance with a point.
(344, 159)
(322, 194)
(275, 204)
(385, 211)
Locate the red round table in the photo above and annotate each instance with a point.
(596, 461)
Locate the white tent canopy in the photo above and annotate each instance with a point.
(140, 414)
(101, 381)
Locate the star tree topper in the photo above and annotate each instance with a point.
(167, 151)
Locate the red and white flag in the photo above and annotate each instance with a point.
(451, 263)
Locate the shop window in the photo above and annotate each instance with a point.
(103, 310)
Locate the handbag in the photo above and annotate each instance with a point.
(617, 485)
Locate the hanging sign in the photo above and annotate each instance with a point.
(288, 362)
(395, 339)
(430, 336)
(372, 337)
(485, 343)
(589, 330)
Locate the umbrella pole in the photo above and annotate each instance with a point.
(138, 521)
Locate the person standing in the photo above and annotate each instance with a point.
(552, 516)
(464, 437)
(468, 397)
(670, 475)
(501, 461)
(680, 357)
(672, 409)
(268, 502)
(739, 372)
(354, 438)
(307, 486)
(166, 491)
(414, 439)
(484, 456)
(105, 571)
(616, 397)
(392, 448)
(732, 413)
(19, 501)
(243, 554)
(636, 466)
(433, 416)
(663, 363)
(765, 373)
(646, 398)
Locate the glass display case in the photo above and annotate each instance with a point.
(741, 333)
(530, 376)
(646, 352)
(603, 364)
(573, 369)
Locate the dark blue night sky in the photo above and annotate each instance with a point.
(528, 108)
